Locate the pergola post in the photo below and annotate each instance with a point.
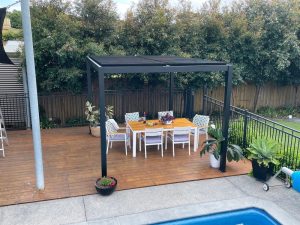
(89, 79)
(226, 117)
(171, 91)
(102, 122)
(32, 88)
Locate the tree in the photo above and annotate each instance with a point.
(15, 19)
(99, 18)
(59, 48)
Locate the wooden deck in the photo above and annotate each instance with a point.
(72, 164)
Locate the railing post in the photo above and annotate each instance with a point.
(246, 114)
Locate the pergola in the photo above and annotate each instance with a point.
(156, 64)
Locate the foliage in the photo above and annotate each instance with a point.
(92, 115)
(76, 121)
(47, 123)
(264, 151)
(106, 181)
(213, 146)
(15, 19)
(261, 38)
(280, 112)
(12, 34)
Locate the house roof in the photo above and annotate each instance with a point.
(111, 61)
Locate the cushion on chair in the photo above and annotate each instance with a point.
(153, 140)
(181, 138)
(118, 137)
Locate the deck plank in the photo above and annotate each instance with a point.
(72, 164)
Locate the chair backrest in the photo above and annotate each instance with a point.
(153, 132)
(181, 131)
(200, 120)
(114, 123)
(135, 116)
(163, 113)
(110, 127)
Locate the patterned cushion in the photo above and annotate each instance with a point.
(135, 116)
(201, 121)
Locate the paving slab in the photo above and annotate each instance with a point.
(207, 208)
(53, 212)
(159, 197)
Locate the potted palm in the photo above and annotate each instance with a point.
(213, 147)
(264, 156)
(106, 185)
(92, 116)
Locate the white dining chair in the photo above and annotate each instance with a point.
(163, 113)
(180, 135)
(153, 137)
(202, 124)
(134, 116)
(1, 141)
(113, 134)
(4, 133)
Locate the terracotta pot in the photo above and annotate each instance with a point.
(214, 163)
(95, 131)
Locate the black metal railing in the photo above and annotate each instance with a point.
(246, 126)
(14, 108)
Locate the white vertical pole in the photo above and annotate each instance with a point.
(34, 109)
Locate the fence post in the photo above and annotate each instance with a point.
(204, 100)
(246, 114)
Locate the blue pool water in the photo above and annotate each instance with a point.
(249, 216)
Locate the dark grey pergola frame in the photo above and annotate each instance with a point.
(115, 68)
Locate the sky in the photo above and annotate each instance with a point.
(122, 5)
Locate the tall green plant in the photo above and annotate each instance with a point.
(264, 151)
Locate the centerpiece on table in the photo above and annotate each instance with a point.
(167, 119)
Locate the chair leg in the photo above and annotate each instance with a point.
(140, 138)
(145, 152)
(162, 150)
(107, 145)
(189, 147)
(166, 141)
(125, 147)
(157, 147)
(182, 145)
(111, 144)
(173, 150)
(140, 142)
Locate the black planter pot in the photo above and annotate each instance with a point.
(262, 172)
(106, 190)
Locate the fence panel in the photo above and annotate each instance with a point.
(246, 126)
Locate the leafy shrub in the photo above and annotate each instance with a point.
(76, 121)
(279, 112)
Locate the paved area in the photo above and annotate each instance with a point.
(159, 203)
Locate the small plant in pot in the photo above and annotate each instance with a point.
(106, 185)
(92, 116)
(264, 155)
(213, 147)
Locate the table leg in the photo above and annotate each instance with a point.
(133, 144)
(196, 139)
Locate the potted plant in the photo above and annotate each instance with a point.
(264, 156)
(167, 119)
(92, 116)
(213, 147)
(106, 185)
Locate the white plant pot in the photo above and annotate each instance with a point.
(95, 131)
(214, 163)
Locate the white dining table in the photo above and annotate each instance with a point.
(138, 127)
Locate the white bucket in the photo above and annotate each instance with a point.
(214, 163)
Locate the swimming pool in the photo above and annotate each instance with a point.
(249, 216)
